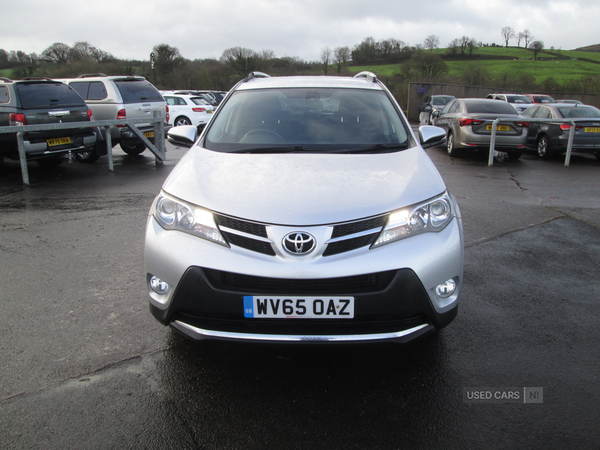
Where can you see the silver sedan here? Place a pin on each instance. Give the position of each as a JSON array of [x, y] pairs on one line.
[[468, 123]]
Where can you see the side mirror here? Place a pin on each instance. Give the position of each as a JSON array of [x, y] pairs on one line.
[[428, 108], [431, 136], [183, 136], [435, 114]]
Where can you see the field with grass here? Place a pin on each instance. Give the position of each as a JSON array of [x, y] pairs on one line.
[[565, 66], [6, 73]]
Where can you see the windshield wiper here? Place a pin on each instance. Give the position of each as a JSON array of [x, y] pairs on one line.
[[296, 148], [377, 148]]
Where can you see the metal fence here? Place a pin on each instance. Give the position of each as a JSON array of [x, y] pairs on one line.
[[571, 122], [158, 148]]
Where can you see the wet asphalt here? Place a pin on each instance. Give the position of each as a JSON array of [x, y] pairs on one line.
[[84, 365]]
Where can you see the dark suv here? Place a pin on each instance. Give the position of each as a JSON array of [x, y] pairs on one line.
[[37, 101]]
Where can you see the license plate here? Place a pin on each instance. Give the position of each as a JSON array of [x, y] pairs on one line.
[[264, 307], [592, 129], [499, 128], [58, 141], [149, 134]]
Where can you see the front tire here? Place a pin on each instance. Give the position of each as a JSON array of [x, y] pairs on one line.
[[133, 149]]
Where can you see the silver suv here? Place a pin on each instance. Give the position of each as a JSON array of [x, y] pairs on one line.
[[120, 97], [306, 211]]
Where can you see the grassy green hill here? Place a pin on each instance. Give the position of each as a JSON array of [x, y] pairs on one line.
[[562, 65]]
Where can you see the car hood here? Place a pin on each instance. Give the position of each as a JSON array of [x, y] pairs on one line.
[[304, 189]]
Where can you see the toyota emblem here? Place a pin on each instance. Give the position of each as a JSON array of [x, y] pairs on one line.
[[299, 243]]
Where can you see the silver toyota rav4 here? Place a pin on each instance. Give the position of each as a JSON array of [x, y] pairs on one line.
[[306, 211]]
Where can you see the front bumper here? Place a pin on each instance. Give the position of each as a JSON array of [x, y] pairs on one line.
[[393, 287]]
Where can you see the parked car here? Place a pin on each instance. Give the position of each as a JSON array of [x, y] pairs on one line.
[[573, 102], [206, 95], [468, 124], [540, 98], [433, 103], [121, 97], [552, 138], [289, 221], [38, 101], [518, 101], [188, 110]]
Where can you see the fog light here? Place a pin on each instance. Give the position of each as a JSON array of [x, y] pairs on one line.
[[446, 289], [159, 286]]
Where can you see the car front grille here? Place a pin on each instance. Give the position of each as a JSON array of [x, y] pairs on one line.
[[235, 282], [344, 237]]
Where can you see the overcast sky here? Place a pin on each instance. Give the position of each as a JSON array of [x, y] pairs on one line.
[[128, 29]]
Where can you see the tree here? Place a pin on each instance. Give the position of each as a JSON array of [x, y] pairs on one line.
[[341, 56], [537, 47], [241, 60], [325, 57], [507, 34], [425, 65], [57, 53], [166, 59], [431, 42], [528, 37], [520, 37]]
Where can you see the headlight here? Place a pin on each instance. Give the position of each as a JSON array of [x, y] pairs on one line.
[[426, 217], [174, 214]]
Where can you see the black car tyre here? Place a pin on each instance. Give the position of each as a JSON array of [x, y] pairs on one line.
[[182, 120], [133, 149], [452, 151], [89, 157], [51, 162], [514, 154], [542, 147]]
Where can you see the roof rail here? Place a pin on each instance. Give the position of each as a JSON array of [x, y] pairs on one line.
[[90, 75], [6, 80], [256, 75], [37, 79], [368, 75]]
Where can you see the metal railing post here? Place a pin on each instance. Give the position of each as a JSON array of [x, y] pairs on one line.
[[159, 140], [111, 166], [570, 144], [493, 142], [23, 158]]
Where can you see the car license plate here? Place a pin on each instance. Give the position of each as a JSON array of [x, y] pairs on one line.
[[58, 141], [592, 129], [499, 128], [269, 307], [149, 134]]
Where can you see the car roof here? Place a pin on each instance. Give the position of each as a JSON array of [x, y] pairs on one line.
[[308, 82]]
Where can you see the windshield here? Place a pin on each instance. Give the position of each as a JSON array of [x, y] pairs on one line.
[[441, 101], [518, 99], [48, 95], [303, 119], [578, 111], [199, 101], [490, 107]]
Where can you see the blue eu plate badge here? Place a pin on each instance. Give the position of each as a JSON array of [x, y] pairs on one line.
[[248, 306]]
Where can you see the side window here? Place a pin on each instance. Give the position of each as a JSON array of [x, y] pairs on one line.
[[97, 91], [4, 94], [455, 107], [447, 107], [81, 87], [170, 100], [501, 97], [181, 101]]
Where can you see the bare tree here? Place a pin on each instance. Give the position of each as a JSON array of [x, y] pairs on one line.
[[431, 42], [507, 34], [519, 38], [326, 57], [341, 55], [528, 37], [537, 47]]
